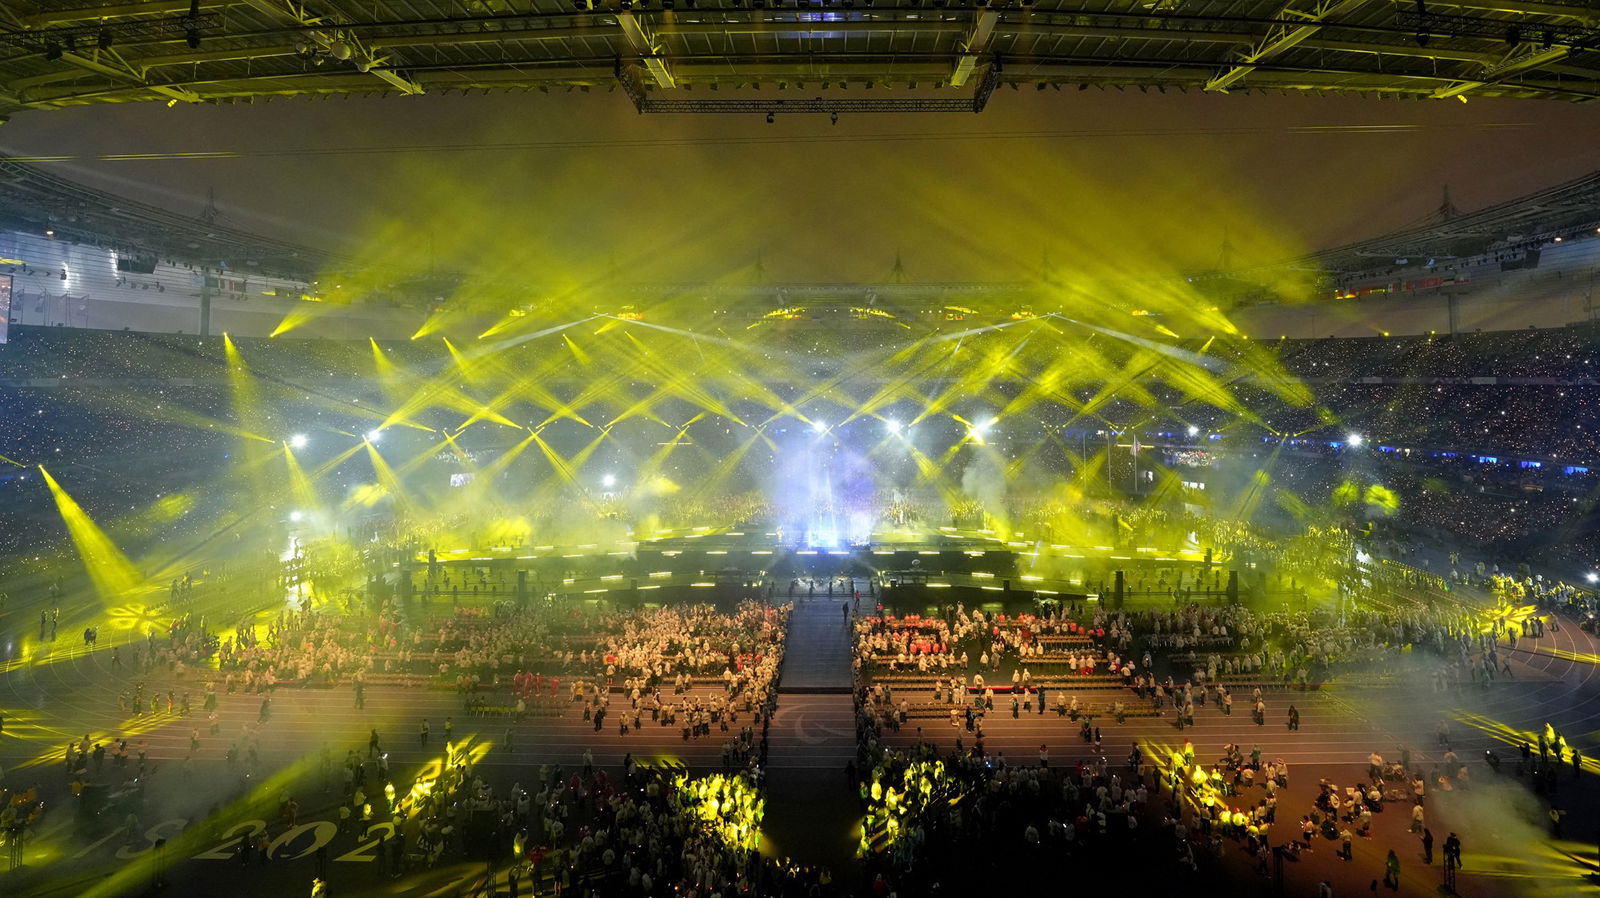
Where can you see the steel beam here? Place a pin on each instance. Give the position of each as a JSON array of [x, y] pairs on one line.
[[976, 43], [1580, 13], [1501, 72], [120, 71], [1298, 26], [656, 64], [762, 106], [45, 19], [326, 34]]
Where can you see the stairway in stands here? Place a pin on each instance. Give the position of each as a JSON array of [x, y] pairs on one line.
[[811, 807]]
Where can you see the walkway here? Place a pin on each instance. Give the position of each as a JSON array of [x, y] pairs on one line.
[[811, 806], [817, 656]]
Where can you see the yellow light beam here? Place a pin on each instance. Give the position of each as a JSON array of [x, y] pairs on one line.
[[113, 575]]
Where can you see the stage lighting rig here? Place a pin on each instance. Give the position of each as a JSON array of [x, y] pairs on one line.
[[190, 28]]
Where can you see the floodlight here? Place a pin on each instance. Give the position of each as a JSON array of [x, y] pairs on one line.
[[819, 426], [299, 441], [1592, 576], [1353, 440], [295, 516], [374, 435], [608, 481], [1193, 430], [892, 425]]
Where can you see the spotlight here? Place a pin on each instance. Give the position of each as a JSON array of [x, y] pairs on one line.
[[608, 481], [374, 435], [892, 425], [1194, 431], [819, 426], [1353, 440], [191, 25], [299, 441], [1591, 576], [295, 516]]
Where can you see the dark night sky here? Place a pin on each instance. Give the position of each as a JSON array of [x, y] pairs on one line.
[[695, 198]]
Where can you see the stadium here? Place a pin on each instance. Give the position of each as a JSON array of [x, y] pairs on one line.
[[776, 448]]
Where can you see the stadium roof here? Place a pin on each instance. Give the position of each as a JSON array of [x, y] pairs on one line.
[[1563, 210], [668, 55]]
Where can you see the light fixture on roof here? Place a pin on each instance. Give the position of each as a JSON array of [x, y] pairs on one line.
[[191, 25]]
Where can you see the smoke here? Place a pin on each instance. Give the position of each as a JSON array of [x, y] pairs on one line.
[[984, 481]]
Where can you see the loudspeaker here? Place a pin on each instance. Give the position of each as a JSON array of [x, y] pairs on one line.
[[1233, 587]]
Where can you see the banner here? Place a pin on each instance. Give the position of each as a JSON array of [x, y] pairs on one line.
[[5, 305]]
